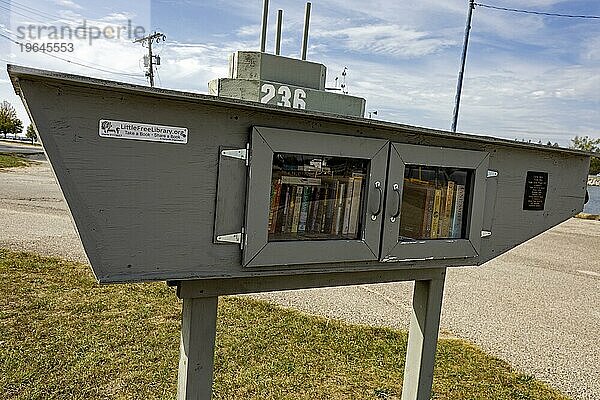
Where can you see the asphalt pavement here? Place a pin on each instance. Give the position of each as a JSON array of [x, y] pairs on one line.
[[7, 146], [537, 306]]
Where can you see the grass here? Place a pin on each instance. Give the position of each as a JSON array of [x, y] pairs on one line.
[[9, 160], [62, 336]]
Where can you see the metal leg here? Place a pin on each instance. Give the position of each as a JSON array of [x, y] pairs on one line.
[[197, 348], [422, 339]]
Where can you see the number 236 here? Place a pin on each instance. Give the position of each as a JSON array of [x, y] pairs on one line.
[[285, 94]]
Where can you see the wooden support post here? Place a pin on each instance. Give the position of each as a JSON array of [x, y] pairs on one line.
[[422, 339], [197, 348]]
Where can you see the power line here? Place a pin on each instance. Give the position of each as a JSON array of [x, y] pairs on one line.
[[72, 57], [135, 76], [32, 10], [547, 14], [29, 17]]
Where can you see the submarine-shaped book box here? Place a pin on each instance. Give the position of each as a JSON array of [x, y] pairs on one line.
[[169, 185]]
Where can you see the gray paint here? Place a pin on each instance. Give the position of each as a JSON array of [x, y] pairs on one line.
[[422, 339], [258, 251], [468, 249], [253, 65], [316, 100], [146, 211], [197, 348]]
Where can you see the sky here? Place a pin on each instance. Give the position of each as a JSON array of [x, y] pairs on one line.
[[528, 77]]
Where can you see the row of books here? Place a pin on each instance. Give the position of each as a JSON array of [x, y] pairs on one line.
[[319, 207], [432, 211]]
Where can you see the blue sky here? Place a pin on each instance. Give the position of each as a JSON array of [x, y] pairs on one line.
[[528, 76]]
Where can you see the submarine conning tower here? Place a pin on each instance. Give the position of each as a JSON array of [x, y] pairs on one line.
[[284, 81]]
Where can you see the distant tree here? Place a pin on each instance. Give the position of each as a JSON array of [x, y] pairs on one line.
[[585, 143], [9, 122], [31, 133]]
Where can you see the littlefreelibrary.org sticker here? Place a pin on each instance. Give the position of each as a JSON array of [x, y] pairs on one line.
[[139, 131]]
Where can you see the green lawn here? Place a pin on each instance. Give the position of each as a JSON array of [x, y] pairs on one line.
[[8, 160], [62, 336]]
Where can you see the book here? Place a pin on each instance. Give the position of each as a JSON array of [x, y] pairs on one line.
[[304, 209], [355, 205], [330, 207], [286, 207], [458, 212], [428, 214], [347, 206], [447, 214], [320, 214], [276, 194], [297, 205], [442, 210], [435, 219], [300, 180], [412, 212], [290, 210], [282, 209], [339, 209], [313, 208]]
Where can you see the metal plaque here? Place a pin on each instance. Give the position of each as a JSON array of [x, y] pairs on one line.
[[536, 187]]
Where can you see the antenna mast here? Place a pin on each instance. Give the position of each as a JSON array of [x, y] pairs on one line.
[[306, 27], [263, 32]]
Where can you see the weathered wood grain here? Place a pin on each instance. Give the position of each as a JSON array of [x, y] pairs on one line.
[[146, 211]]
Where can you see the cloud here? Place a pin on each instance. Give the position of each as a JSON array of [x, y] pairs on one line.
[[391, 40], [68, 4], [525, 77]]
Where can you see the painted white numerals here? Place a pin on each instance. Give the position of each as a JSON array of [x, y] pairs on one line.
[[299, 97], [285, 96], [269, 91]]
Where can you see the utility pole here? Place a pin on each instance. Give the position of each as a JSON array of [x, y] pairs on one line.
[[152, 59], [462, 65]]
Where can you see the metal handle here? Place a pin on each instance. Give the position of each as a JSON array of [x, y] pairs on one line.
[[376, 213], [396, 189]]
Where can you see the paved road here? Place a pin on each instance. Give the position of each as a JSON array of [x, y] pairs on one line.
[[7, 146], [537, 307]]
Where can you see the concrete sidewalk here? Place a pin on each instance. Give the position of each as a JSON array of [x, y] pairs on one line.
[[537, 307]]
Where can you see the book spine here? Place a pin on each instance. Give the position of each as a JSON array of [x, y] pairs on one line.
[[313, 210], [448, 209], [428, 214], [339, 213], [280, 209], [304, 210], [320, 210], [458, 211], [274, 205], [290, 213], [347, 206], [297, 205], [300, 180], [286, 207], [435, 220], [442, 212], [329, 208], [355, 206]]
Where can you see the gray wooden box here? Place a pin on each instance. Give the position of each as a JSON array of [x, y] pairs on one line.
[[149, 210]]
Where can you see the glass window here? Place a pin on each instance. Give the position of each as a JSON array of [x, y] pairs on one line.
[[434, 203], [316, 197]]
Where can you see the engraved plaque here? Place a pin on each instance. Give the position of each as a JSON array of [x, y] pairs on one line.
[[536, 186]]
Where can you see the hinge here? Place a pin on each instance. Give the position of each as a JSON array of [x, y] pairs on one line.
[[241, 154], [492, 173], [485, 234], [233, 238]]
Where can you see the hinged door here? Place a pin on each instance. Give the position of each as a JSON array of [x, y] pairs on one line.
[[434, 205], [313, 198]]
